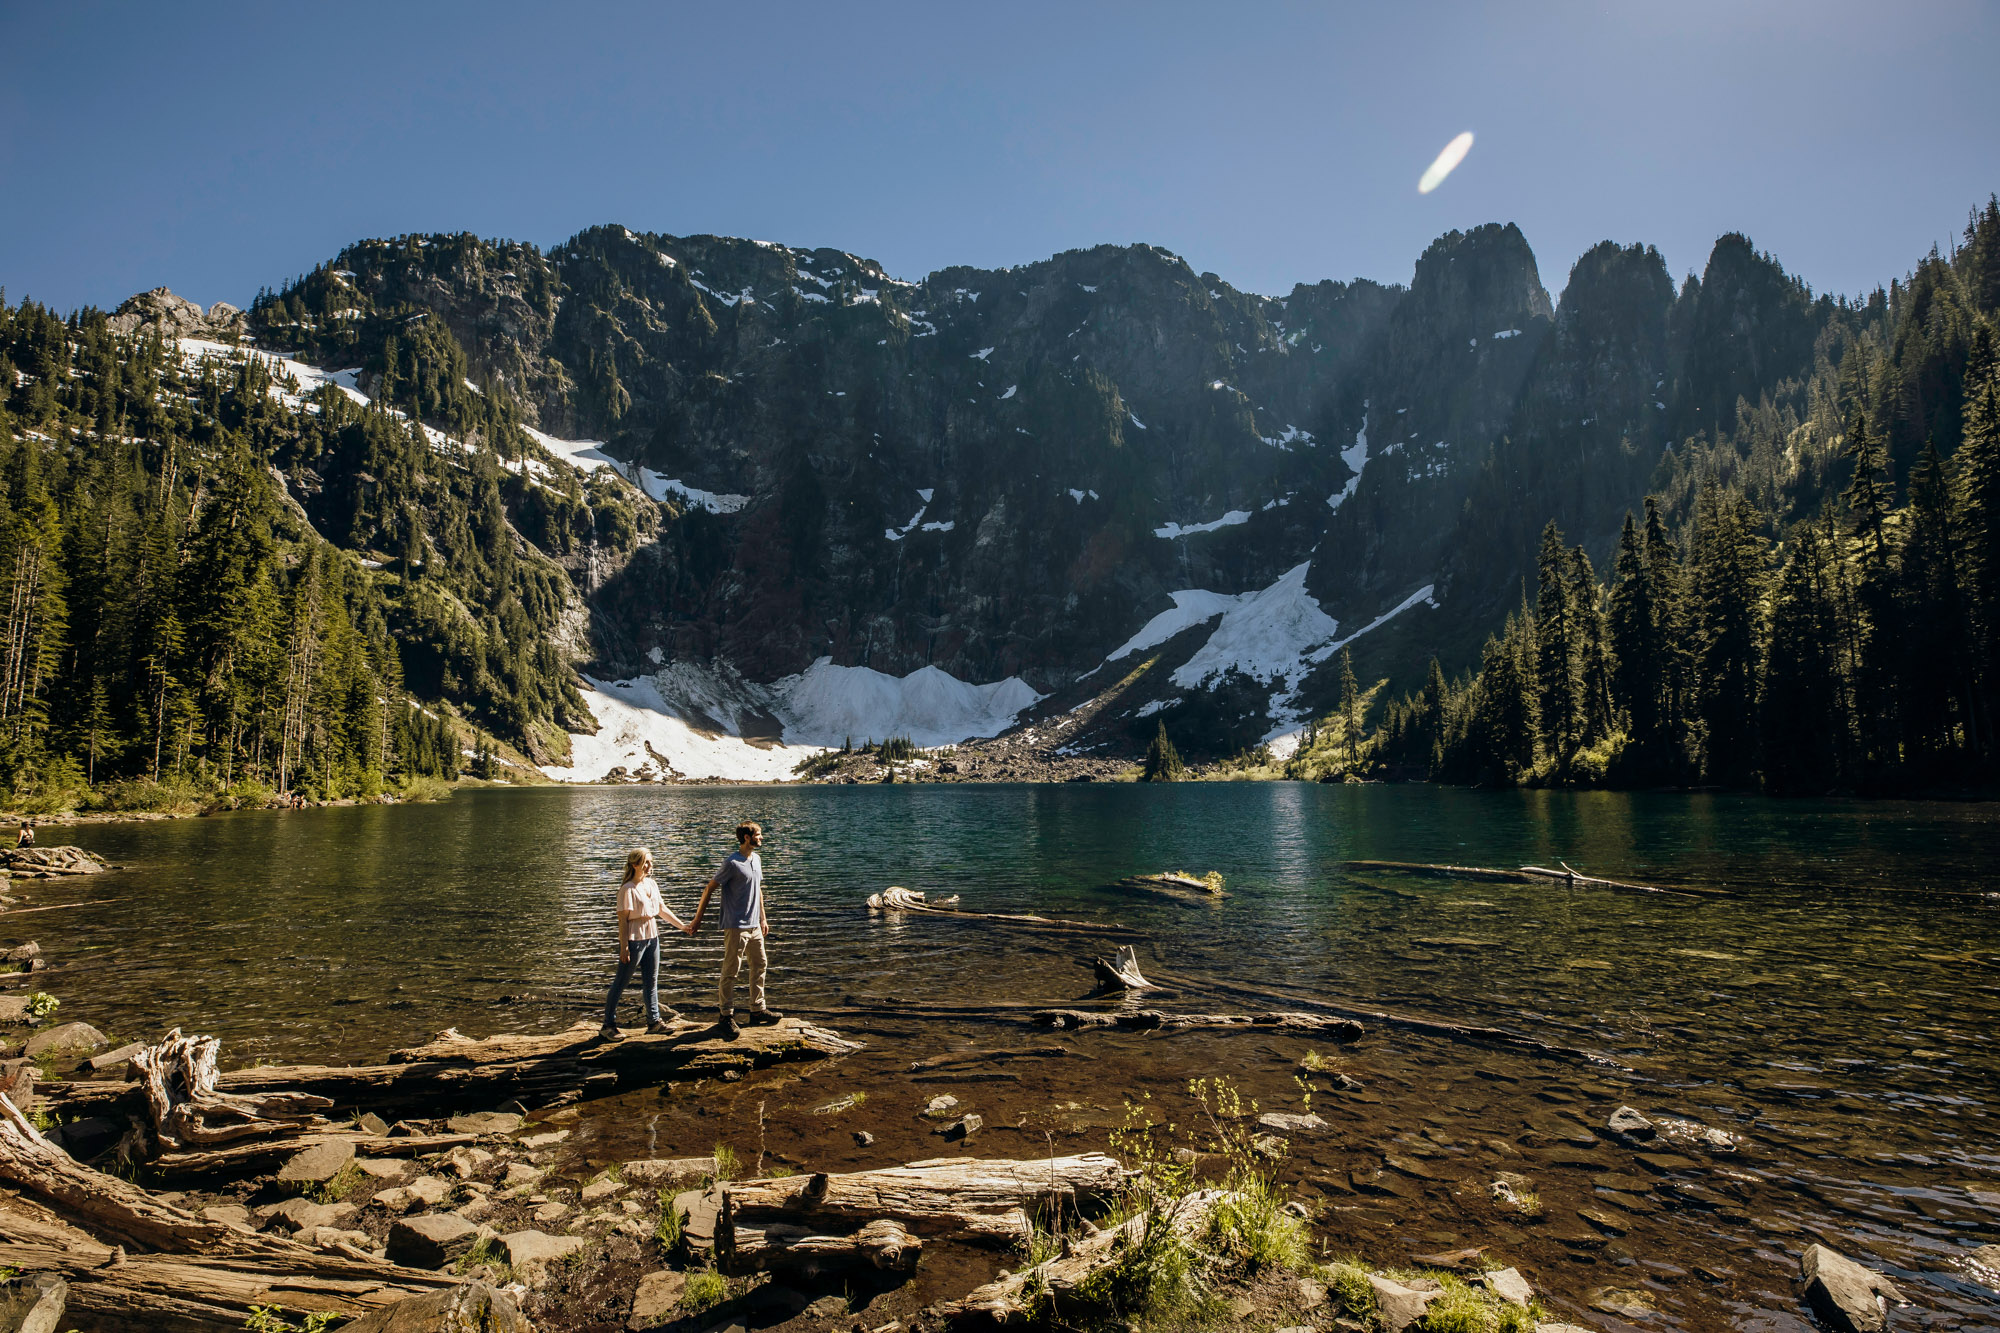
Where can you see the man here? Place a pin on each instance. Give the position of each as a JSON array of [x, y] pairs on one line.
[[745, 927]]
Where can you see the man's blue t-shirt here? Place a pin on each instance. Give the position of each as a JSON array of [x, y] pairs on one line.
[[740, 887]]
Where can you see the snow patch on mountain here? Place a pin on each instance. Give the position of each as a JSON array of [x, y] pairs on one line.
[[1191, 607], [713, 723], [1356, 458], [1268, 634], [660, 487], [1228, 520]]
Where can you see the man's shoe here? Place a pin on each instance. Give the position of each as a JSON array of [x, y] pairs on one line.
[[727, 1027], [607, 1033], [762, 1016]]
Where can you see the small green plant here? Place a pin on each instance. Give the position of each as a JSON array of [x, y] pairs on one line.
[[704, 1290], [42, 1007], [337, 1187], [782, 1172], [1347, 1282], [1314, 1063], [1529, 1202], [726, 1165], [8, 1274], [277, 1319], [485, 1250], [668, 1232]]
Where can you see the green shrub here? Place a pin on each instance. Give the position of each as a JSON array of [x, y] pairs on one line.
[[726, 1164], [246, 794], [1347, 1282], [417, 787], [704, 1290], [668, 1232], [42, 1007]]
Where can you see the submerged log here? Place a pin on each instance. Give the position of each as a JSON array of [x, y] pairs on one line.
[[1531, 875], [1179, 887], [1120, 972], [184, 1272], [1059, 1286], [952, 1198], [455, 1071], [897, 898], [1149, 1020]]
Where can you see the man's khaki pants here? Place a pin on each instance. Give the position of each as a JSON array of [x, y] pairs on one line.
[[738, 945]]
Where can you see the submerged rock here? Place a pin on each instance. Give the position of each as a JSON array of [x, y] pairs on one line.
[[1849, 1297], [1630, 1124]]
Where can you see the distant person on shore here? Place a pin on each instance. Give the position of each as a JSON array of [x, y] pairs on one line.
[[745, 927], [639, 913], [26, 837]]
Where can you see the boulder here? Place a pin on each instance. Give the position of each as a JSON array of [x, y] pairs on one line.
[[601, 1189], [962, 1128], [531, 1252], [472, 1308], [13, 1009], [521, 1176], [552, 1212], [429, 1190], [658, 1297], [22, 953], [383, 1168], [304, 1214], [465, 1163], [1509, 1285], [17, 1080], [484, 1122], [1628, 1123], [431, 1240], [940, 1107], [1285, 1123], [374, 1124], [1848, 1297], [67, 1037], [1402, 1305], [32, 1302], [317, 1164]]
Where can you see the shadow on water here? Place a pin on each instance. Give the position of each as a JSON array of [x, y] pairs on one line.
[[1836, 1014]]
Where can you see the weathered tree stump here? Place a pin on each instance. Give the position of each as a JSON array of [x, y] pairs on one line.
[[1120, 972], [178, 1076]]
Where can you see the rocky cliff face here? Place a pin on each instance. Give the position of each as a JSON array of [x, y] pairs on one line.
[[1012, 473]]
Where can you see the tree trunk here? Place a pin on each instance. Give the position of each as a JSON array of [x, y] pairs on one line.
[[951, 1198]]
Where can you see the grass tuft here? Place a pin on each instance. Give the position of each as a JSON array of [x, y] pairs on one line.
[[704, 1290]]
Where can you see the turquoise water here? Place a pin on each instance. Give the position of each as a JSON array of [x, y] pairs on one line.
[[1836, 1013]]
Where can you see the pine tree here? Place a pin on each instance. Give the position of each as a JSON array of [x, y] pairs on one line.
[[1594, 648], [1350, 712], [1934, 673], [1163, 761], [1727, 594], [1558, 653], [1978, 526], [1803, 719]]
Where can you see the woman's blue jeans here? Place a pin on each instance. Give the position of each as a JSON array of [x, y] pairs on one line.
[[644, 955]]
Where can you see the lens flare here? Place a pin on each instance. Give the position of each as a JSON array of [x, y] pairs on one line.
[[1453, 154]]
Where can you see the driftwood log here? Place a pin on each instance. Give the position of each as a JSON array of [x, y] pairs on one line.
[[783, 1247], [1148, 1020], [455, 1071], [985, 1201], [178, 1075], [36, 862], [1058, 1285], [1533, 875], [899, 899], [134, 1262], [1120, 972], [1180, 888]]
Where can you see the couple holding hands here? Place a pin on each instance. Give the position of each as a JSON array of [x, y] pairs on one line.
[[740, 886]]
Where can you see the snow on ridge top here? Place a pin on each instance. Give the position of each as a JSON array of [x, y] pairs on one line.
[[195, 350], [1228, 520]]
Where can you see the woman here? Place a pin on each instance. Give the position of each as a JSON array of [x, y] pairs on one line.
[[639, 911], [26, 836]]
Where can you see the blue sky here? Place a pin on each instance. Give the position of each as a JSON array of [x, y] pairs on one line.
[[215, 148]]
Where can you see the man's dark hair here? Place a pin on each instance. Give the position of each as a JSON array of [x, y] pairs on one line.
[[747, 829]]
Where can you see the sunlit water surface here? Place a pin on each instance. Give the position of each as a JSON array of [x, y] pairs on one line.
[[1837, 1012]]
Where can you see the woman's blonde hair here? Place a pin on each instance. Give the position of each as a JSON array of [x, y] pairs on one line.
[[635, 858]]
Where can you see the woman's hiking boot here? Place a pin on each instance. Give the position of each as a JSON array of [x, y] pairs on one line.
[[607, 1033], [660, 1026]]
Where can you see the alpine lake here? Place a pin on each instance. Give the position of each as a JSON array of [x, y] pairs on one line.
[[1831, 1017]]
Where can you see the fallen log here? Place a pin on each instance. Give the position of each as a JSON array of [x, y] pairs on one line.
[[183, 1272], [897, 898], [967, 1058], [178, 1075], [456, 1071], [1061, 1286], [1179, 887], [983, 1200], [258, 1154], [1531, 875], [1148, 1020], [1120, 972], [800, 1252]]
